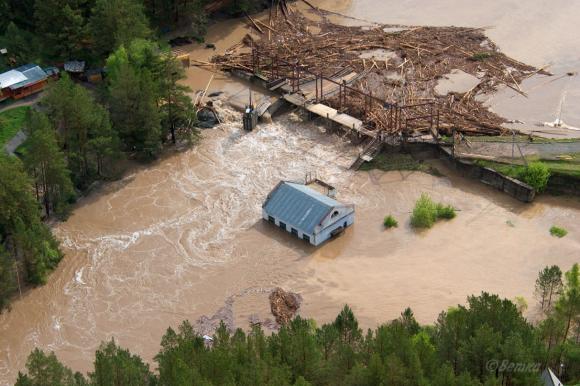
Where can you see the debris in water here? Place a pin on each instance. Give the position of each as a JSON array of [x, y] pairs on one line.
[[207, 116], [420, 56], [559, 124], [284, 305]]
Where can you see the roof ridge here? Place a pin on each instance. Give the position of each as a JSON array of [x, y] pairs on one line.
[[324, 199]]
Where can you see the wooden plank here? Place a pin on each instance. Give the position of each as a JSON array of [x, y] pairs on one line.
[[254, 23]]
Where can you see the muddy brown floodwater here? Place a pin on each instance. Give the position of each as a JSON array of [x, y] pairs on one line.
[[182, 237]]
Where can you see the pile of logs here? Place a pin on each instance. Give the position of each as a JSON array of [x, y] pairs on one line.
[[403, 66], [284, 305]]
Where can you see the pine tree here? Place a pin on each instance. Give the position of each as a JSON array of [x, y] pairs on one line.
[[47, 166], [20, 227], [83, 130], [104, 145], [347, 326], [568, 305], [61, 24], [21, 45], [178, 113], [114, 23], [8, 279], [4, 10], [548, 285], [176, 13], [19, 13], [45, 369], [117, 366], [134, 110]]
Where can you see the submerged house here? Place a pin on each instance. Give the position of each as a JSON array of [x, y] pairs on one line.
[[23, 81], [306, 213]]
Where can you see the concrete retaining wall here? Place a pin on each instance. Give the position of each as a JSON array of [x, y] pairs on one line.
[[562, 184], [513, 187], [508, 185]]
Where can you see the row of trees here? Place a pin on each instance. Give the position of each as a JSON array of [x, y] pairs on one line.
[[79, 135], [27, 247], [560, 303], [48, 31], [74, 140], [51, 31], [487, 342]]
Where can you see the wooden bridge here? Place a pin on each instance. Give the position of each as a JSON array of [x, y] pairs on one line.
[[311, 91]]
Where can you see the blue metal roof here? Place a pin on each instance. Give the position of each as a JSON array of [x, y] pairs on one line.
[[299, 206]]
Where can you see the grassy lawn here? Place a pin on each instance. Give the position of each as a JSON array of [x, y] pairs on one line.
[[569, 166], [10, 122]]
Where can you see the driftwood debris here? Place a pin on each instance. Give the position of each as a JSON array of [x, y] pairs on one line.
[[415, 60], [260, 30], [284, 305]]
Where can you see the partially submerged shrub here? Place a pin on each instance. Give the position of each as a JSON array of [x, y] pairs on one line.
[[446, 212], [390, 222], [536, 174], [426, 212], [558, 232]]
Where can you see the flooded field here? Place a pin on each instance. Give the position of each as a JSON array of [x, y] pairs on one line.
[[182, 238]]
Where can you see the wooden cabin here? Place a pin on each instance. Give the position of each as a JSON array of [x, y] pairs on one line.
[[22, 81]]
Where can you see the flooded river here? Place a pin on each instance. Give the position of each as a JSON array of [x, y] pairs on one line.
[[182, 238]]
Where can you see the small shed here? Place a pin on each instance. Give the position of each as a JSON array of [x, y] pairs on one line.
[[75, 67], [94, 75], [306, 213], [52, 72]]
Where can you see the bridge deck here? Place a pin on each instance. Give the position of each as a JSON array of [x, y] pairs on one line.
[[328, 112]]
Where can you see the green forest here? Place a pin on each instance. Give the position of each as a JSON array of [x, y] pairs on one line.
[[78, 134], [485, 342], [55, 31]]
